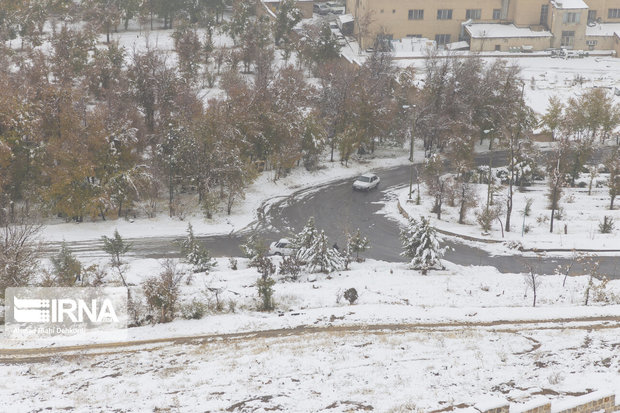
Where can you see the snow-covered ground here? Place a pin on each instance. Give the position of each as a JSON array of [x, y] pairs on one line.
[[581, 215], [381, 370], [388, 293], [410, 342]]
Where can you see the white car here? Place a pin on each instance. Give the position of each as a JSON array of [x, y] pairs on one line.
[[282, 247], [366, 182]]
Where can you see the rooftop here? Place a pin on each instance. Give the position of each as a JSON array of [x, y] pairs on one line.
[[496, 30], [569, 4]]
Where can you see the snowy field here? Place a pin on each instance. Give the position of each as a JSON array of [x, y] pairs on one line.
[[410, 343], [336, 371], [388, 293]]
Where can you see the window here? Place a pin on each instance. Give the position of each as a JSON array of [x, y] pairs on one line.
[[544, 14], [498, 48], [442, 39], [591, 15], [571, 17], [473, 14], [614, 14], [417, 36], [568, 39], [444, 14], [497, 14], [416, 14]]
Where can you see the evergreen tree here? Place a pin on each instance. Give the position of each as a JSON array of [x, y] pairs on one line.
[[67, 268], [357, 243], [265, 283], [320, 256], [116, 247], [420, 243], [254, 246], [195, 254], [305, 239]]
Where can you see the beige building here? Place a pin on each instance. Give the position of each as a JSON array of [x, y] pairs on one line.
[[487, 25]]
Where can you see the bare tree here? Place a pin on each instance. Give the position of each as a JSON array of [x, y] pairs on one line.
[[532, 279], [19, 255]]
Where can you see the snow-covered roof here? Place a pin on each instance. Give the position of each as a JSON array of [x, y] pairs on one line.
[[569, 4], [457, 45], [603, 29], [345, 18], [496, 30]]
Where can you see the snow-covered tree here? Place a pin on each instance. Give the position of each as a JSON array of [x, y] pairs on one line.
[[254, 246], [67, 270], [320, 256], [195, 254], [305, 239], [420, 243], [117, 247], [357, 243]]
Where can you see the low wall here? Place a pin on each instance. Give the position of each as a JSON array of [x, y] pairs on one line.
[[598, 401]]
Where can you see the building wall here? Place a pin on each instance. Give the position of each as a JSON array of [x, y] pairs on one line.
[[527, 12], [602, 9], [391, 17], [557, 26], [505, 45]]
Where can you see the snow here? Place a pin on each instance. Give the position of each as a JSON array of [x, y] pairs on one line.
[[490, 402], [569, 4], [582, 215], [570, 403], [603, 29], [496, 30]]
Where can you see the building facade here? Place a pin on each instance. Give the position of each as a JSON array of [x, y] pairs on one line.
[[487, 25]]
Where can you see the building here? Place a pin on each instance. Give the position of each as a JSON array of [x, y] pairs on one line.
[[488, 25]]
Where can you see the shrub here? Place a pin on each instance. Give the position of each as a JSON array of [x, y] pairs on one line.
[[232, 262], [162, 291], [291, 267], [351, 295], [607, 225], [195, 254], [193, 310]]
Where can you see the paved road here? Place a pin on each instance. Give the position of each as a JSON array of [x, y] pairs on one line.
[[337, 208]]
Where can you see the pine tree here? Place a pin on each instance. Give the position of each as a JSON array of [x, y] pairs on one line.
[[305, 239], [195, 254], [67, 268], [320, 256], [357, 243], [420, 243], [254, 246], [116, 247]]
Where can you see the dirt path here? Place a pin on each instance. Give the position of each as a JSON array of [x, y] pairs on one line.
[[38, 355]]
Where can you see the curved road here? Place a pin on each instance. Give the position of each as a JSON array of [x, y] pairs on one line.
[[337, 208]]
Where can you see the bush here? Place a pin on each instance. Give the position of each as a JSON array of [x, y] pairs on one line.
[[351, 295], [162, 291], [485, 218], [607, 225], [291, 267], [232, 262], [194, 310], [195, 254]]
